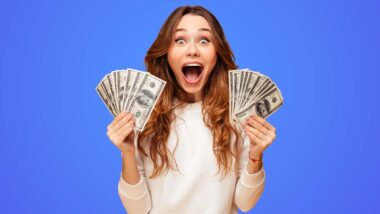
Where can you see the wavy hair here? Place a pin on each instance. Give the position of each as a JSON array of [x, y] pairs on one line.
[[215, 107]]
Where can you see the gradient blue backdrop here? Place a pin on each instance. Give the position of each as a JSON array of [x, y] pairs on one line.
[[324, 55]]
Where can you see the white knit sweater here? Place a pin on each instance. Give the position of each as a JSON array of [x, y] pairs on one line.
[[195, 188]]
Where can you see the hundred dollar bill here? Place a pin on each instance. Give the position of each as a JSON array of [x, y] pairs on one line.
[[125, 88], [241, 83], [230, 94], [112, 90], [250, 83], [236, 86], [116, 84], [100, 89], [107, 89], [264, 92], [243, 80], [128, 90], [253, 92], [263, 107], [138, 78], [146, 97]]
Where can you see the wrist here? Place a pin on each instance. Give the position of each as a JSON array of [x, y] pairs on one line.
[[255, 157], [127, 153], [255, 152]]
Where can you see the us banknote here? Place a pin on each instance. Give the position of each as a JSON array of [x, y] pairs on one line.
[[252, 93], [132, 91]]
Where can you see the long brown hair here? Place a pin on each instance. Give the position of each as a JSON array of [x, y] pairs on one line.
[[215, 106]]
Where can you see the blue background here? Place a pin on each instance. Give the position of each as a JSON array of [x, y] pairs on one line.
[[324, 56]]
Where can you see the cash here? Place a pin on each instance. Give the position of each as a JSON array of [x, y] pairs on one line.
[[132, 91], [252, 93]]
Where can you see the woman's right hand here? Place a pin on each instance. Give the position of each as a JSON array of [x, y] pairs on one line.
[[120, 132]]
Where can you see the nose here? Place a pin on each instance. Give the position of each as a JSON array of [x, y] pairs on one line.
[[192, 49]]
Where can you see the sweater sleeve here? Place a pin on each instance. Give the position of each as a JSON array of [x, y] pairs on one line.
[[135, 198], [249, 187]]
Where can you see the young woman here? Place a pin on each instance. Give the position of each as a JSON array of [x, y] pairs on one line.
[[190, 158]]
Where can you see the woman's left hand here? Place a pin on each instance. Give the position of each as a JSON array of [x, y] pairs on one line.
[[261, 135]]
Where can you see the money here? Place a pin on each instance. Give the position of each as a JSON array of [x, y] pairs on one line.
[[145, 99], [132, 91], [252, 93]]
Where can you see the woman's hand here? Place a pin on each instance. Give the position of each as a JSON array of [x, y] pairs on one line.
[[261, 135], [120, 132]]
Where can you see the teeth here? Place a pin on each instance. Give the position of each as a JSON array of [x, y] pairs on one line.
[[193, 64]]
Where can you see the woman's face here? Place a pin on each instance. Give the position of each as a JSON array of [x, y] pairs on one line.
[[192, 55]]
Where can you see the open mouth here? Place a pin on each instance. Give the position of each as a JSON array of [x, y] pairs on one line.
[[192, 72]]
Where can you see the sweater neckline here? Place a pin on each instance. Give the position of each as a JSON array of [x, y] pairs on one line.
[[194, 106]]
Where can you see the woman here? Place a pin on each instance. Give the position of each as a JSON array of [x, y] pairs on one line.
[[190, 158]]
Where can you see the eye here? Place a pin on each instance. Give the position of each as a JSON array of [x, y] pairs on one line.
[[204, 41], [180, 41]]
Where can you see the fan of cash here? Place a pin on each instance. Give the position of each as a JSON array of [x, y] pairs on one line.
[[252, 93], [137, 92], [132, 91]]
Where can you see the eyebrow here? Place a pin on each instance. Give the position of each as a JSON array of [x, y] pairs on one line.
[[200, 29]]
